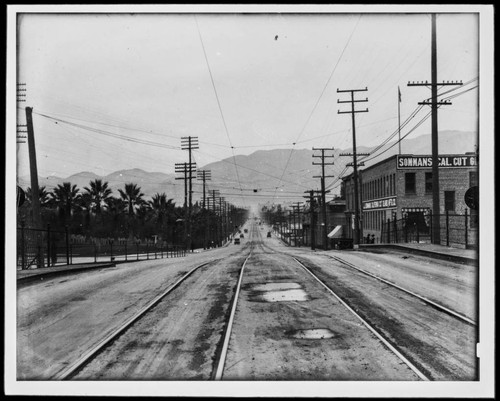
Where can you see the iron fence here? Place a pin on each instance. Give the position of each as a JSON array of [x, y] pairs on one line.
[[458, 230], [48, 248]]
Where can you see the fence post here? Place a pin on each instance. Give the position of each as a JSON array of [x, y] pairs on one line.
[[48, 245], [388, 231], [137, 246], [23, 256], [66, 232], [95, 253], [418, 235], [111, 249], [126, 250], [447, 229], [406, 229], [466, 231], [147, 249]]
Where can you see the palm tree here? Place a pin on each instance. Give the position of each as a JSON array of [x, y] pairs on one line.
[[65, 197], [133, 197], [161, 208], [43, 196], [115, 208], [99, 193]]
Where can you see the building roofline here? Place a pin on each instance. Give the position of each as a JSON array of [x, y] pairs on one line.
[[405, 154]]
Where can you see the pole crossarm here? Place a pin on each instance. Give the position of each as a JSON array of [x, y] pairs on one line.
[[355, 163], [434, 103]]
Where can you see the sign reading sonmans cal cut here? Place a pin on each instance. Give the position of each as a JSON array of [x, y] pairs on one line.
[[411, 162], [385, 203]]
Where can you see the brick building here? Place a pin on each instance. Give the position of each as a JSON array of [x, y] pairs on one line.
[[400, 187]]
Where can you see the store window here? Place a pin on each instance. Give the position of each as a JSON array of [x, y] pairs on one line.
[[428, 183], [410, 183], [449, 201]]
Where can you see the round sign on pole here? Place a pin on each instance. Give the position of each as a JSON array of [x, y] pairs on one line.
[[21, 196], [471, 197]]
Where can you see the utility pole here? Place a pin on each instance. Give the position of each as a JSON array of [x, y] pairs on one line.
[[190, 143], [212, 195], [313, 217], [296, 212], [323, 191], [187, 169], [35, 195], [360, 200], [399, 119], [355, 161], [205, 175], [434, 103]]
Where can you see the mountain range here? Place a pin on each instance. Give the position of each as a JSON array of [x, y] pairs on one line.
[[279, 175]]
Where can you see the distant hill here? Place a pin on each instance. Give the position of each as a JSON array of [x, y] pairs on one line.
[[262, 175]]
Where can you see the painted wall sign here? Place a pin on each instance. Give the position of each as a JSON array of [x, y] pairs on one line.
[[412, 162], [386, 203]]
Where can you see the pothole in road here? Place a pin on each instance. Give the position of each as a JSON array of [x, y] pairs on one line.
[[279, 292], [311, 334], [275, 286]]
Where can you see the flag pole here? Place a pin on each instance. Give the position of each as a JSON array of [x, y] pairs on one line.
[[399, 119]]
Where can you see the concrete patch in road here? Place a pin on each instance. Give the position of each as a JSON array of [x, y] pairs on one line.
[[311, 334], [278, 292]]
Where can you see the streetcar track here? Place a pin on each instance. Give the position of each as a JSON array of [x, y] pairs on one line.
[[266, 250], [420, 297], [90, 354], [426, 301], [394, 350]]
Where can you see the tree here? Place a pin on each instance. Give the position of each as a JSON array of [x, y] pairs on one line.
[[133, 197], [43, 196], [162, 210], [99, 193], [65, 197]]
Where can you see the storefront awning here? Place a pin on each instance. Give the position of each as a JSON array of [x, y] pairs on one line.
[[336, 232]]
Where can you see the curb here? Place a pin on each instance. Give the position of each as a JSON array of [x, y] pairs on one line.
[[432, 254], [49, 274]]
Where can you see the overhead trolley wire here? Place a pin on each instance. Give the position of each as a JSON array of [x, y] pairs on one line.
[[218, 103], [320, 96]]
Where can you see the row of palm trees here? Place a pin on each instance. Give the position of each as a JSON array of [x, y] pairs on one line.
[[95, 211]]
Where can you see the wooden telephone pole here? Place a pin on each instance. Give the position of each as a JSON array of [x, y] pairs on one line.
[[35, 196], [355, 161], [205, 175], [323, 191], [434, 103]]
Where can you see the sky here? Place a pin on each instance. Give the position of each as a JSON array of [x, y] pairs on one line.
[[113, 91]]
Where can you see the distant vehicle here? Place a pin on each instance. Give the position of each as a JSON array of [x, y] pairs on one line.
[[269, 234], [242, 236], [236, 241]]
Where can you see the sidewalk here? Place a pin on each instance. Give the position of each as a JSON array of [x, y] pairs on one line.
[[30, 275], [468, 256]]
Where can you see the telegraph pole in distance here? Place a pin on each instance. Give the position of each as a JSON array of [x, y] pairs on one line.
[[360, 196], [190, 143], [295, 211], [212, 195], [355, 162], [313, 217], [187, 169], [205, 175], [323, 192], [434, 103]]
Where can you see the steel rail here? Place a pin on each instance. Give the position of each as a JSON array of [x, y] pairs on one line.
[[225, 346], [426, 300], [367, 325], [70, 370]]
